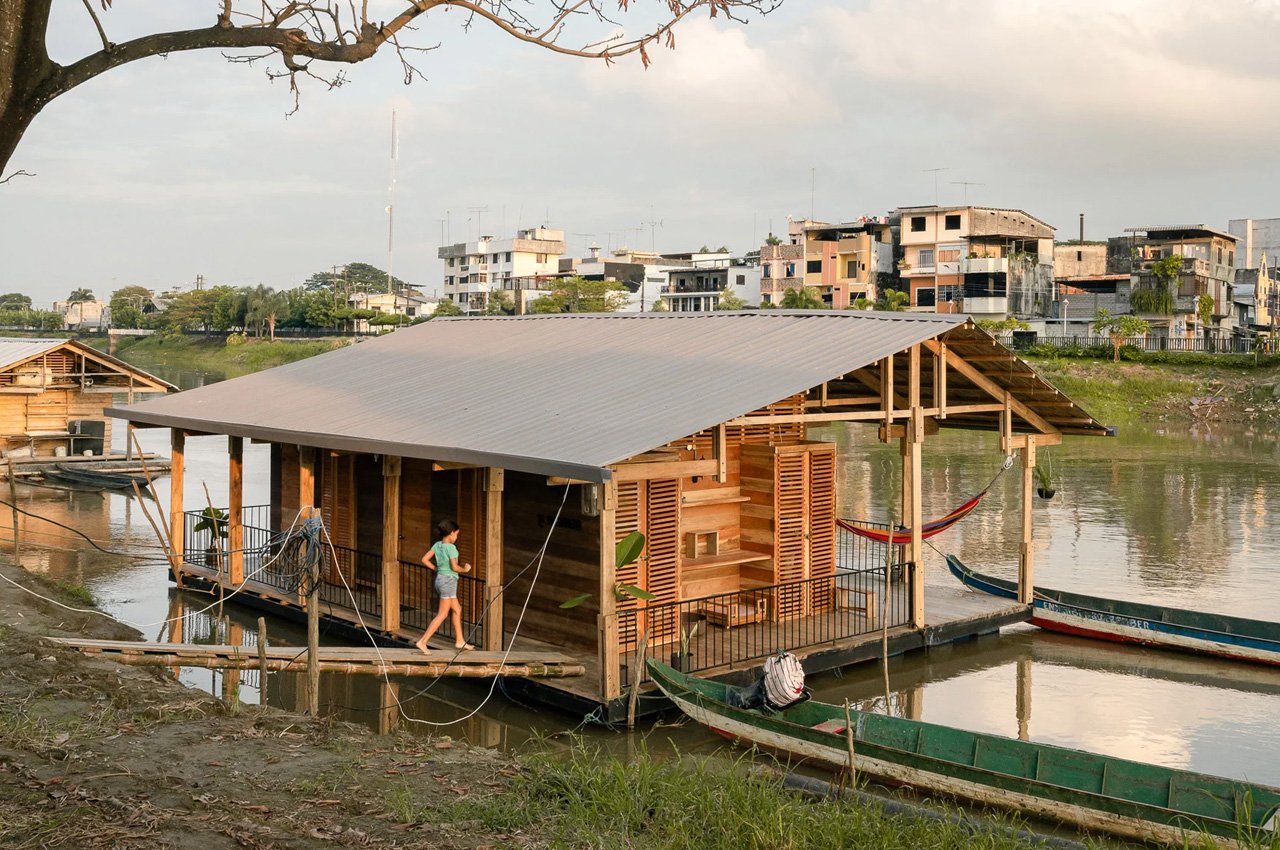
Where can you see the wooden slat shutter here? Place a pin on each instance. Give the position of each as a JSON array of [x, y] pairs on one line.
[[472, 517], [790, 554], [822, 523], [337, 506], [630, 517], [662, 554]]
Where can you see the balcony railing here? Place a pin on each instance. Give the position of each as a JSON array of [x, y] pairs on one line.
[[351, 580]]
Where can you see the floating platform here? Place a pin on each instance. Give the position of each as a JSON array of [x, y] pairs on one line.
[[30, 467], [334, 659]]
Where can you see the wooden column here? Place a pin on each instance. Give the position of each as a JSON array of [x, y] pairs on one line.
[[610, 657], [235, 510], [306, 493], [914, 509], [940, 380], [493, 558], [1026, 557], [177, 524], [1022, 697], [390, 543]]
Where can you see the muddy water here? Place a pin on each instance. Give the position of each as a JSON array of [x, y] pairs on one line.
[[1175, 516]]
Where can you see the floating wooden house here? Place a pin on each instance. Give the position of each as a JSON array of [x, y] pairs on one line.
[[53, 393], [563, 434]]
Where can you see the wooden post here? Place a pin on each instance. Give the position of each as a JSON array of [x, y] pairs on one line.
[[940, 380], [235, 511], [610, 657], [177, 521], [1026, 557], [391, 543], [389, 696], [306, 493], [262, 661], [494, 481], [231, 675], [1022, 706], [313, 623], [912, 496], [886, 393], [13, 507], [719, 448]]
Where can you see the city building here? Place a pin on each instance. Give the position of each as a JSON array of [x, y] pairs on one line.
[[83, 314], [1079, 259], [984, 261], [474, 269], [411, 304], [1257, 296], [1177, 303], [1256, 238], [697, 287], [782, 263], [643, 274], [848, 261]]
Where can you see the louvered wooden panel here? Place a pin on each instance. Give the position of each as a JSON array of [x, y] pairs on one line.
[[662, 547], [771, 434], [789, 530], [822, 524], [337, 506], [629, 517], [472, 519], [47, 411]]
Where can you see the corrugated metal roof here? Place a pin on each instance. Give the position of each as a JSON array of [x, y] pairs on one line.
[[560, 395], [16, 349]]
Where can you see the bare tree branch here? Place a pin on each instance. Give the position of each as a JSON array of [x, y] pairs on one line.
[[19, 173], [102, 34]]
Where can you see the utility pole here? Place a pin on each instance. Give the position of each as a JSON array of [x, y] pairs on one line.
[[391, 212]]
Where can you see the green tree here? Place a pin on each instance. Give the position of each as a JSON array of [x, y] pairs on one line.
[[1160, 299], [447, 307], [311, 39], [996, 327], [659, 306], [1204, 309], [79, 295], [191, 310], [578, 295], [127, 305], [1119, 328], [729, 301], [892, 300], [772, 240], [862, 302], [264, 308], [229, 307], [804, 298], [46, 320], [499, 304], [15, 301]]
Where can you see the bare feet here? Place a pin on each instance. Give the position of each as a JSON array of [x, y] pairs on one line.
[[463, 647], [422, 647]]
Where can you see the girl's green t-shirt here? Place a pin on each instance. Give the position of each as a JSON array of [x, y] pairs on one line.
[[445, 553]]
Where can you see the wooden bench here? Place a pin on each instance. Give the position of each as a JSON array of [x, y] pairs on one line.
[[854, 599], [741, 610]]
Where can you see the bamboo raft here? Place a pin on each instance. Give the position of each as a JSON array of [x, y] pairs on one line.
[[332, 659]]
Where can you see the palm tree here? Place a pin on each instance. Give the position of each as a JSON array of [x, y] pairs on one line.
[[265, 306]]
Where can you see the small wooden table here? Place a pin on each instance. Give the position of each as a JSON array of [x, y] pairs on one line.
[[727, 613]]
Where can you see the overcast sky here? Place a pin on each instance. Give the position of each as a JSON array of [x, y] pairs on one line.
[[1133, 113]]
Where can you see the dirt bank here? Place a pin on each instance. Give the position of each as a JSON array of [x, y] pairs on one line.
[[98, 755]]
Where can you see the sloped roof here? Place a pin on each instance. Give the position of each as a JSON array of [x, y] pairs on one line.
[[15, 350], [557, 395]]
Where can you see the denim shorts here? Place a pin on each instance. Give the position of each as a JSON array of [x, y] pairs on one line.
[[446, 586]]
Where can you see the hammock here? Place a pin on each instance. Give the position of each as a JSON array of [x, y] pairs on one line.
[[902, 536]]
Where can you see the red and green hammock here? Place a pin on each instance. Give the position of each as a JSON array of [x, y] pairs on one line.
[[902, 536]]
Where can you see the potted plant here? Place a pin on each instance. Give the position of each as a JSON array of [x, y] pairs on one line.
[[213, 521], [1044, 480], [682, 659]]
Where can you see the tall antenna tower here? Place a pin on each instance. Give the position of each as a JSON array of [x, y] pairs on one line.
[[651, 224], [391, 209]]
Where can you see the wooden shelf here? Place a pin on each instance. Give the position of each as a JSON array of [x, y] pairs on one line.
[[724, 559], [716, 496]]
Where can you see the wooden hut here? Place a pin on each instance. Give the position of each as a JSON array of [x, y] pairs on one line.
[[563, 434], [53, 393]]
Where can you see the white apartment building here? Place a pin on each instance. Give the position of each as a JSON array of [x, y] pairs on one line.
[[1256, 237], [697, 287], [472, 270]]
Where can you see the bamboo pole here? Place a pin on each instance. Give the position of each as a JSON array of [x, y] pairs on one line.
[[13, 505], [262, 660], [848, 742], [1026, 554], [313, 622], [636, 676]]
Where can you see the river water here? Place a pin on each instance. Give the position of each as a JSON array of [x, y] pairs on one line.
[[1165, 514]]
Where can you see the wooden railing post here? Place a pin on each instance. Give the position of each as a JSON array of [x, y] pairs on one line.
[[493, 568], [235, 510], [913, 512], [1026, 555], [610, 656], [177, 520], [390, 544]]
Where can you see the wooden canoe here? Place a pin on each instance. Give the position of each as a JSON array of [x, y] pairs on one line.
[[1136, 622], [1086, 790], [68, 474]]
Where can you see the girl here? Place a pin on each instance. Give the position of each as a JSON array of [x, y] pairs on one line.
[[444, 554]]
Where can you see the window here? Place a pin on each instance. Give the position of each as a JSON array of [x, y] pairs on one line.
[[813, 267], [917, 224], [742, 280], [948, 293], [410, 311], [948, 255], [768, 270], [1219, 256], [851, 268], [925, 258], [542, 258], [1231, 258], [953, 222], [451, 262], [791, 269], [1079, 259], [508, 256], [925, 297], [495, 258]]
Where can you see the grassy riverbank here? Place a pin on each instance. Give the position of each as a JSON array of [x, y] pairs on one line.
[[214, 354], [98, 755]]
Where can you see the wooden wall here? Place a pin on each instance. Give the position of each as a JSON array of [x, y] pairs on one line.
[[415, 509], [571, 566], [50, 410]]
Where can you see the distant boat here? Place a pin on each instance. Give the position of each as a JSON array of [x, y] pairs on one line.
[[1135, 622], [68, 474], [1086, 790]]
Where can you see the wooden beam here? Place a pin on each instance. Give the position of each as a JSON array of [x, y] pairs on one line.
[[446, 465], [557, 481], [1019, 441], [940, 380], [842, 401], [720, 450], [494, 481], [177, 479], [915, 519], [669, 469], [886, 389], [610, 655], [391, 468], [994, 390], [1026, 554], [235, 510]]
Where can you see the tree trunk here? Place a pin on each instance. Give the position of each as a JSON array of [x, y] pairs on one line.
[[24, 67]]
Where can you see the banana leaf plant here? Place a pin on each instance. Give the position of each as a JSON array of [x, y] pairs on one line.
[[624, 554]]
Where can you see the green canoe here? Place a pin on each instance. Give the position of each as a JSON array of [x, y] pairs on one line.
[[1089, 791]]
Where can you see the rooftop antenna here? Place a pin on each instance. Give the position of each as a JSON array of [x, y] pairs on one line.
[[935, 182], [585, 238], [813, 180], [651, 224], [478, 211], [391, 208], [966, 184]]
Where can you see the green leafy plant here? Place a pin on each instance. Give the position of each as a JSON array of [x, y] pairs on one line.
[[1159, 301], [1044, 474], [730, 301], [1204, 308], [893, 300], [213, 520], [1119, 328], [804, 298], [686, 637], [625, 553]]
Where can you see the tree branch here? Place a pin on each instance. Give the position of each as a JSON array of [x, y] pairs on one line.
[[102, 34], [19, 173]]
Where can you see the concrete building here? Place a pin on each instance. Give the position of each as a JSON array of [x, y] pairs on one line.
[[1257, 297], [848, 261], [1207, 270], [782, 264], [473, 269], [411, 304], [643, 273], [1256, 237], [697, 288], [1079, 259], [83, 314], [985, 261]]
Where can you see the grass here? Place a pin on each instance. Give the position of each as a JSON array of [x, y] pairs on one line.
[[213, 354], [589, 799], [75, 593]]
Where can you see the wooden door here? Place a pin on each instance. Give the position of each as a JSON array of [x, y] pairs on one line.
[[821, 497], [338, 509], [473, 519], [790, 547]]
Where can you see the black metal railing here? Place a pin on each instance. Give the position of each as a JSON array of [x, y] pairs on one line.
[[729, 629], [419, 603], [352, 579], [1199, 344], [855, 552]]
